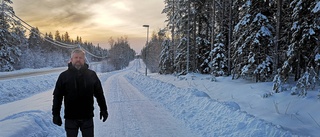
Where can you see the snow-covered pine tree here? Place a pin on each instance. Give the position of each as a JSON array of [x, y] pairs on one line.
[[305, 37], [176, 12], [311, 35], [9, 50], [306, 82], [254, 42], [182, 29], [190, 22], [226, 14], [154, 50], [170, 10], [201, 26], [218, 59], [239, 34], [38, 55], [203, 55], [180, 59], [165, 64], [277, 83]]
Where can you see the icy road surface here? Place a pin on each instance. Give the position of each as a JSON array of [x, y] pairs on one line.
[[133, 114], [138, 105], [130, 112]]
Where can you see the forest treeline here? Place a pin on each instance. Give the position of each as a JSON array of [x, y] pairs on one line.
[[259, 40], [22, 46]]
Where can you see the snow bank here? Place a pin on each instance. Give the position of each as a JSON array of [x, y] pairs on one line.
[[25, 87], [30, 124], [205, 116], [28, 86]]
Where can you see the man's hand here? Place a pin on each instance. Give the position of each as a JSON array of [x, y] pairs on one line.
[[57, 120], [104, 114]]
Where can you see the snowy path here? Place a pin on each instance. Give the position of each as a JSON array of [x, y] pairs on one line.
[[138, 106], [132, 114]]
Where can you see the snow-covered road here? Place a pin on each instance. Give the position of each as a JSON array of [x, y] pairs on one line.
[[133, 114], [138, 105], [130, 113]]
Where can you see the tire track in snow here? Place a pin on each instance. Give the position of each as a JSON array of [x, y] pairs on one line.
[[133, 114]]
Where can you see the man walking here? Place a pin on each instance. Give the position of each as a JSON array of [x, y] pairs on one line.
[[77, 87]]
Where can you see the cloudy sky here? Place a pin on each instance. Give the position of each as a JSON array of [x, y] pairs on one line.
[[94, 20]]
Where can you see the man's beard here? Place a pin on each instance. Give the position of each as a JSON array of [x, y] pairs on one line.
[[77, 65]]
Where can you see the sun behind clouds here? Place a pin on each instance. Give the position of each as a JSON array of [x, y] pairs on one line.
[[95, 20]]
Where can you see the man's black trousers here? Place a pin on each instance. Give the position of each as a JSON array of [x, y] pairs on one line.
[[85, 125]]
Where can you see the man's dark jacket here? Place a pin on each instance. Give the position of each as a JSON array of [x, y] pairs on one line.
[[78, 88]]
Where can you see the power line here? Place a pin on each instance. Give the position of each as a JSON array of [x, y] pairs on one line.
[[45, 38], [50, 40], [71, 46]]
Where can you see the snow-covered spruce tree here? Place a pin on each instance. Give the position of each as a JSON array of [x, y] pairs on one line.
[[202, 27], [19, 40], [170, 10], [254, 42], [305, 32], [176, 12], [204, 55], [310, 33], [180, 59], [277, 86], [218, 59], [283, 31], [239, 32], [9, 50], [154, 50], [182, 41], [226, 14], [37, 54], [306, 82], [166, 64], [19, 33]]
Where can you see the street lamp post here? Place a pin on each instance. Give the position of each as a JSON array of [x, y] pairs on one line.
[[145, 54]]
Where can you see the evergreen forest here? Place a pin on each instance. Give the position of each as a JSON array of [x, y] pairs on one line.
[[257, 40]]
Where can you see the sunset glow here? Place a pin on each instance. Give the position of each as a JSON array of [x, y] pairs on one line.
[[96, 22]]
